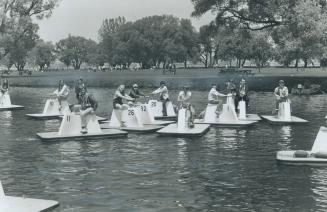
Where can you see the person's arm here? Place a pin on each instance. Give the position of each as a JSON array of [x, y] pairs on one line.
[[286, 92], [93, 102], [188, 96], [276, 92], [128, 98], [159, 90], [179, 98], [219, 94]]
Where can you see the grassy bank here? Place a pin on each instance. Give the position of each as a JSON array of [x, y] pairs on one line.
[[199, 79]]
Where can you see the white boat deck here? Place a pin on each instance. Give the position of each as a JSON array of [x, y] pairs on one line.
[[172, 130], [11, 107], [294, 119], [236, 123], [106, 133], [135, 129]]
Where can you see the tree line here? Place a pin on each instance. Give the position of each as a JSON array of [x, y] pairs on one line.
[[247, 30]]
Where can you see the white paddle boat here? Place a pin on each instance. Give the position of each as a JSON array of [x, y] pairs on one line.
[[70, 128], [227, 117], [5, 103], [132, 119], [242, 115], [156, 107], [284, 115], [20, 204], [182, 128], [317, 155], [52, 110]]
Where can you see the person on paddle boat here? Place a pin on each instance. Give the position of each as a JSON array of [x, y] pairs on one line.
[[231, 87], [118, 104], [4, 86], [281, 94], [78, 87], [87, 108], [61, 93], [135, 93], [184, 97], [213, 98], [242, 94], [163, 96]]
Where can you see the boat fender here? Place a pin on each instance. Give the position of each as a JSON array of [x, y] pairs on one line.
[[301, 154], [320, 155]]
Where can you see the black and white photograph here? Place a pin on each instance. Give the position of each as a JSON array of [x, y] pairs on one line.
[[163, 105]]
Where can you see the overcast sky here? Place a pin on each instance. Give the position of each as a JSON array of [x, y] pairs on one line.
[[84, 17]]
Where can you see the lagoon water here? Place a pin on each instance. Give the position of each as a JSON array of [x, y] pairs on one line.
[[225, 170]]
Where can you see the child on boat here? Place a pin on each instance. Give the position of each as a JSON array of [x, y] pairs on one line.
[[242, 93], [136, 93], [184, 98], [163, 96], [87, 108], [281, 94], [61, 93], [118, 104]]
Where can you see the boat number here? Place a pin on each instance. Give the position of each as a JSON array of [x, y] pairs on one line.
[[131, 112], [153, 104], [143, 108], [68, 118]]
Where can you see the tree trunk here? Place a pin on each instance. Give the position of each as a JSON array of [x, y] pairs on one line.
[[305, 63], [185, 64]]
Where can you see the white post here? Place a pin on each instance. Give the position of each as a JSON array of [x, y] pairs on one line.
[[2, 192], [181, 124], [242, 108]]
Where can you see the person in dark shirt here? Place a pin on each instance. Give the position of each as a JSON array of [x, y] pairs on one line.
[[135, 93], [88, 106], [78, 88]]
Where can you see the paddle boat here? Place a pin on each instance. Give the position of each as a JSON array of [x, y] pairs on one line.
[[284, 115], [316, 156], [5, 103], [182, 127], [52, 110], [133, 121], [19, 204], [156, 107], [70, 128], [242, 115], [227, 117], [147, 116]]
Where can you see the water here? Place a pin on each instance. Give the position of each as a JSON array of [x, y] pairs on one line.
[[225, 170]]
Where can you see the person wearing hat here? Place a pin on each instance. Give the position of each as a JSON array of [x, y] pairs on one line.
[[242, 93], [163, 96], [136, 93], [87, 108], [184, 97], [118, 103], [281, 94]]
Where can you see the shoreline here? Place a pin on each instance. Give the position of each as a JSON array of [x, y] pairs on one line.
[[197, 79]]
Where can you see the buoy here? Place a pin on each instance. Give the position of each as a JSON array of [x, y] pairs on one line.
[[52, 110], [19, 204], [70, 128], [182, 128], [316, 156], [284, 115], [5, 103], [243, 115], [132, 119], [156, 108], [227, 116]]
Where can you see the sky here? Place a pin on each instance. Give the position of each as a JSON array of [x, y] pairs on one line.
[[84, 17]]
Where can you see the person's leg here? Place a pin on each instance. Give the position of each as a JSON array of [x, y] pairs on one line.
[[236, 101], [84, 119], [191, 118], [164, 107], [247, 100]]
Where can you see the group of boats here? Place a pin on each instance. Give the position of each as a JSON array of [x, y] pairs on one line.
[[148, 118]]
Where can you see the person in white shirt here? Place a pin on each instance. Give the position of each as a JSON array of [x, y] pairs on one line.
[[214, 94], [281, 93], [184, 97], [61, 93], [163, 96], [118, 103]]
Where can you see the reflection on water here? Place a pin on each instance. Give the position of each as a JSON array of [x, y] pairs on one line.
[[225, 170]]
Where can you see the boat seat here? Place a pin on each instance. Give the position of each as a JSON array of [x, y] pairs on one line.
[[301, 154], [320, 154]]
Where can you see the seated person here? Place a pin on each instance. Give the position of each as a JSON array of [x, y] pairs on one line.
[[4, 86], [87, 108], [184, 97], [118, 104], [213, 98], [163, 96], [78, 87], [135, 93], [281, 94], [242, 94], [61, 93]]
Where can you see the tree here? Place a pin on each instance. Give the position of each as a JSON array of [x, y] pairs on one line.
[[42, 54], [74, 50], [16, 19]]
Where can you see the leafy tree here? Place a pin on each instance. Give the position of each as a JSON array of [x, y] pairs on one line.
[[42, 54], [74, 50]]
